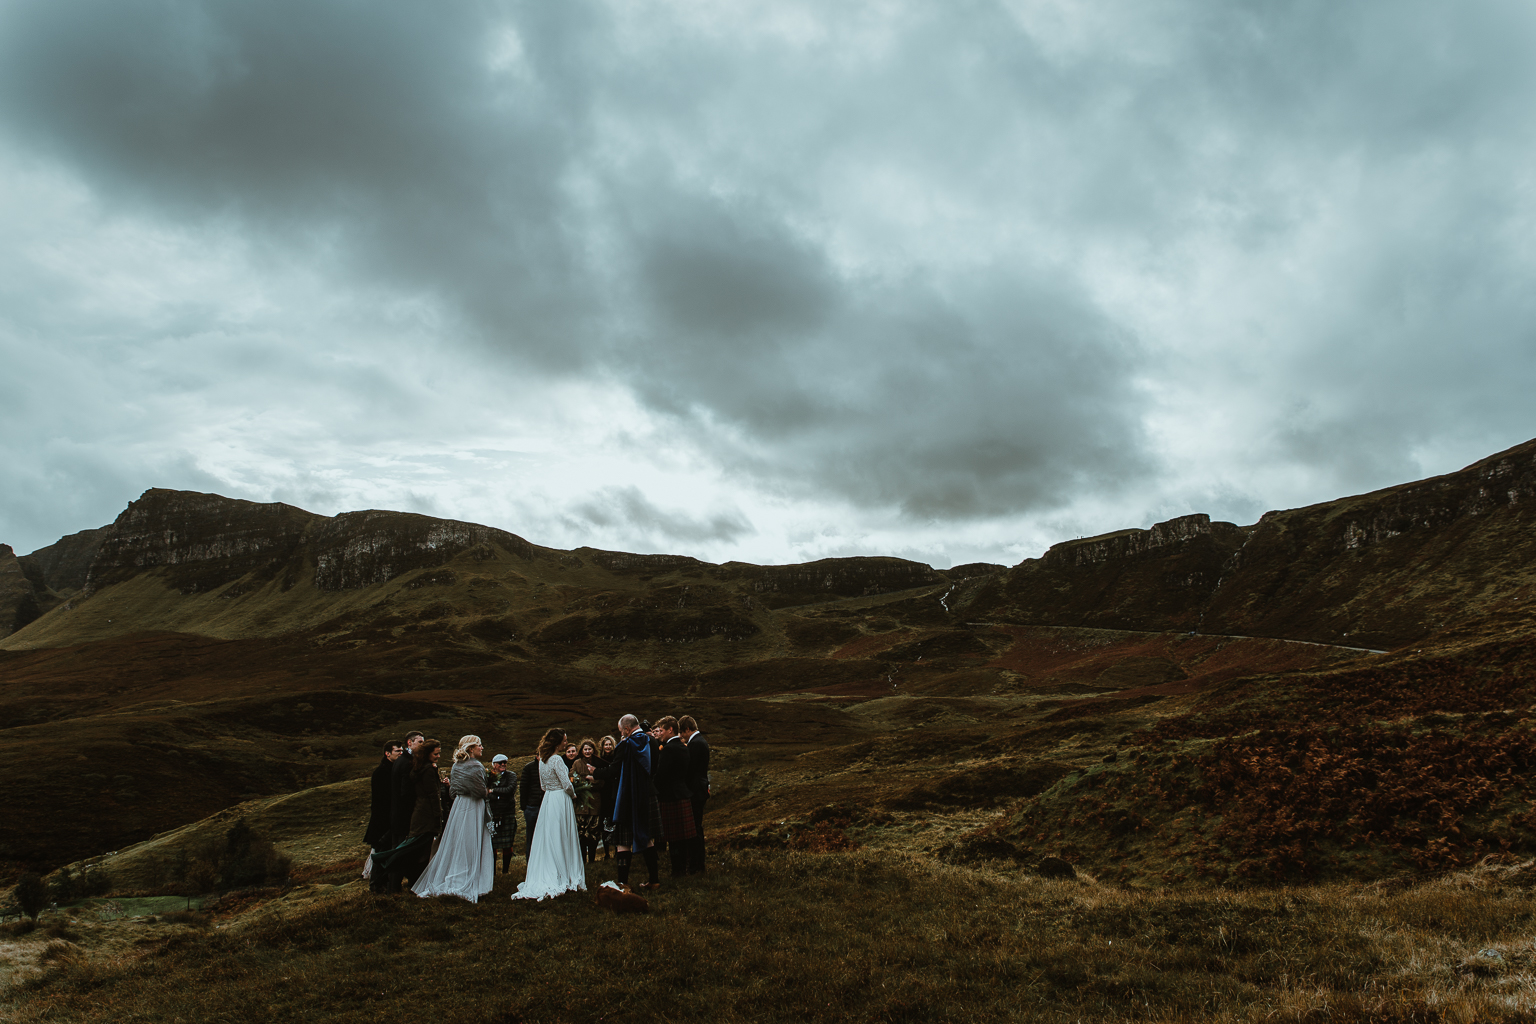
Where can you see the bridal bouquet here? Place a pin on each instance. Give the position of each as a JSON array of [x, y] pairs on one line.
[[582, 786]]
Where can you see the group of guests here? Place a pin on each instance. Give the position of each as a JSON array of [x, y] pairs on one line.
[[640, 792]]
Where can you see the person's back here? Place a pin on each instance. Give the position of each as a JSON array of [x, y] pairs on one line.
[[532, 795]]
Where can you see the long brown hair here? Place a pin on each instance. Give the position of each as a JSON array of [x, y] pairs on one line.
[[550, 743], [423, 756]]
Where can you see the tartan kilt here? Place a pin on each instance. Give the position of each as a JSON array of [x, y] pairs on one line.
[[624, 831], [503, 832], [677, 820]]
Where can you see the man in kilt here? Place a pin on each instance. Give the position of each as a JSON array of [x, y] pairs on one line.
[[501, 801], [673, 795], [636, 815]]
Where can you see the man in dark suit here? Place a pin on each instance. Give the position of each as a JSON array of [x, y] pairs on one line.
[[698, 787], [673, 796], [402, 795]]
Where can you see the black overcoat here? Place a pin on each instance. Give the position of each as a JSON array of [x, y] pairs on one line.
[[381, 808]]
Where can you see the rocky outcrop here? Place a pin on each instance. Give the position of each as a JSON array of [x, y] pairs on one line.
[[779, 586], [1159, 579], [1385, 568], [19, 600], [63, 565], [1126, 545], [360, 549], [200, 541], [1375, 570]]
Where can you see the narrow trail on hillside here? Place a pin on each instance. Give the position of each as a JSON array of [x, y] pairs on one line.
[[1163, 632]]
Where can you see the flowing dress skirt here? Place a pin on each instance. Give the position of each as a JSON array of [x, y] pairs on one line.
[[555, 863], [465, 864]]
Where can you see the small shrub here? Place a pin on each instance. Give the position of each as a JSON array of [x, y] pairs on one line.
[[31, 895], [249, 859], [64, 887]]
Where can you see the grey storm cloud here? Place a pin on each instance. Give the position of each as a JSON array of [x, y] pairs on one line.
[[627, 509], [961, 260]]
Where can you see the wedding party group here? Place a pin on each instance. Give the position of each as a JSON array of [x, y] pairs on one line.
[[635, 793]]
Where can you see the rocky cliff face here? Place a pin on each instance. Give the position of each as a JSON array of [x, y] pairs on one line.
[[359, 549], [1374, 570], [777, 586], [202, 542], [19, 602], [1157, 579], [302, 565], [63, 565], [1385, 568]]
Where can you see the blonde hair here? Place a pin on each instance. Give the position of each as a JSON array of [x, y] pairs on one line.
[[465, 742]]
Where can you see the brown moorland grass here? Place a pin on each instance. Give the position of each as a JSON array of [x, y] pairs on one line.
[[819, 937]]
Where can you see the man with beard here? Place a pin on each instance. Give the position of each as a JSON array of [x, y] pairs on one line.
[[698, 787], [636, 815]]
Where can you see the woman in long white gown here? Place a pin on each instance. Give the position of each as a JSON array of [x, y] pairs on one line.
[[464, 864], [555, 863]]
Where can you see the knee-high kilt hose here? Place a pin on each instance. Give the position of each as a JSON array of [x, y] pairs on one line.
[[677, 820]]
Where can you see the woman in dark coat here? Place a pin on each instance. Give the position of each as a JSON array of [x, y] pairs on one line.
[[607, 789], [427, 815], [502, 802]]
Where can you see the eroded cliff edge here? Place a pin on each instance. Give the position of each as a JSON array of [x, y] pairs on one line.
[[1375, 570]]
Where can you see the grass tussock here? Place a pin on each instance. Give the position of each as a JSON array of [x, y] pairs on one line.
[[820, 937]]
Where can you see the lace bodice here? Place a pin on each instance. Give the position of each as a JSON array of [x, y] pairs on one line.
[[555, 777]]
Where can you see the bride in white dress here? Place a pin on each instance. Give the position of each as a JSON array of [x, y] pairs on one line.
[[464, 864], [555, 863]]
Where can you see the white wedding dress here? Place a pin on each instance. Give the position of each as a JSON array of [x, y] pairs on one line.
[[555, 864], [464, 864]]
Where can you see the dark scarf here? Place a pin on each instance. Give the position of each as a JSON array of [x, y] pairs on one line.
[[627, 801]]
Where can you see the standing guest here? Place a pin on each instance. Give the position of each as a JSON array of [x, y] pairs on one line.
[[636, 816], [464, 864], [533, 795], [407, 859], [673, 796], [606, 789], [402, 802], [698, 787], [502, 801], [404, 795], [427, 813], [380, 807], [588, 824]]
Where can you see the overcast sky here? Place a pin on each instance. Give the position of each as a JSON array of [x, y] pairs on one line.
[[767, 281]]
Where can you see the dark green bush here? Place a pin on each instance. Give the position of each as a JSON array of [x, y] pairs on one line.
[[31, 895]]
